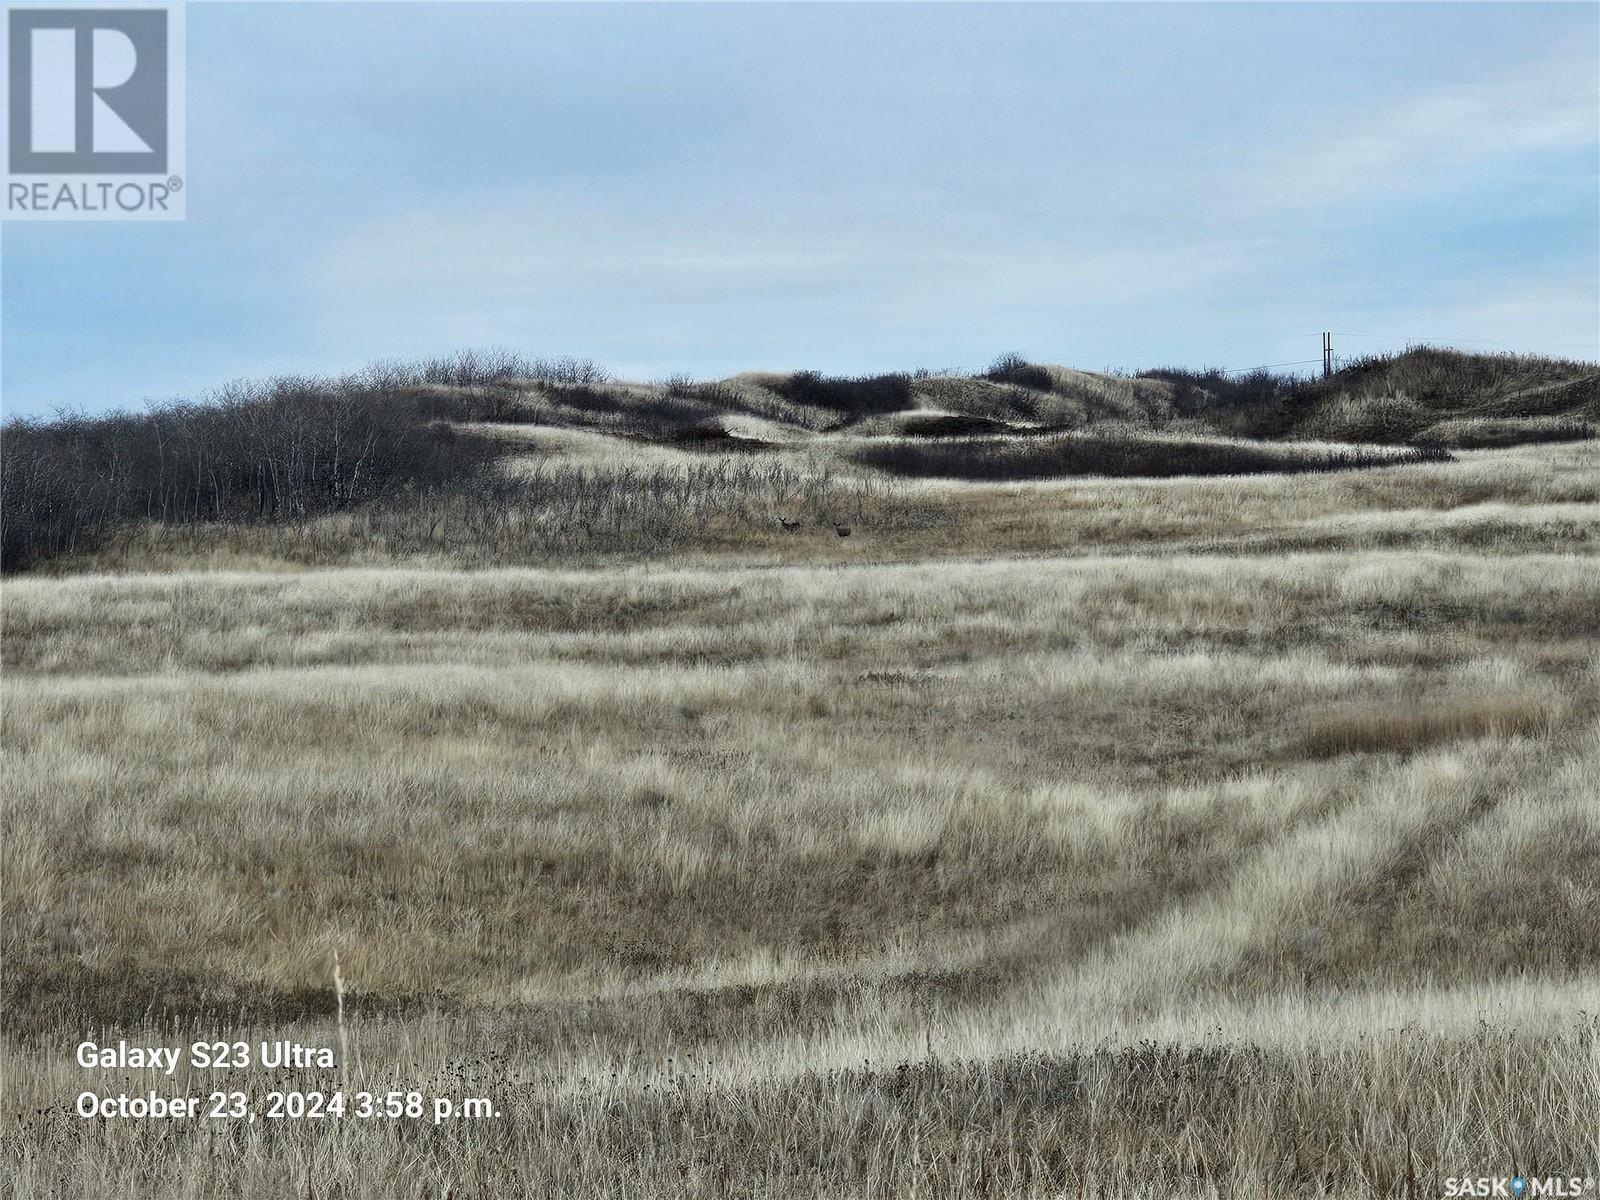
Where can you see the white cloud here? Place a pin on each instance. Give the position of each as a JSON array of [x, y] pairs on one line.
[[1550, 106]]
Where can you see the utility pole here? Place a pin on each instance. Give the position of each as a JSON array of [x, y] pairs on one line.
[[1327, 355]]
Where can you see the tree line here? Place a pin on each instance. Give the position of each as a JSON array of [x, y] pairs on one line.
[[284, 450]]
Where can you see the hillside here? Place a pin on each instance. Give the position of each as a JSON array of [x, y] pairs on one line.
[[525, 460], [1424, 396]]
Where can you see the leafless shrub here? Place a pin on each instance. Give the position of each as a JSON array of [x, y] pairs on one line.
[[473, 368], [556, 512], [1385, 397], [1118, 454], [1013, 368], [281, 451], [849, 396]]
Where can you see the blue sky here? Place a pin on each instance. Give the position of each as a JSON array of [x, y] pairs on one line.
[[850, 187]]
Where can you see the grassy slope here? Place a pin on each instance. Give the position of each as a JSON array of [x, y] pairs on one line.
[[1195, 835], [1391, 398], [1432, 395], [492, 459]]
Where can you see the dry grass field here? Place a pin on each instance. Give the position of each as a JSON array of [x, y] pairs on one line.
[[1182, 837]]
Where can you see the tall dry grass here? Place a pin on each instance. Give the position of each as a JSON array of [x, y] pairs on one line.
[[1194, 838]]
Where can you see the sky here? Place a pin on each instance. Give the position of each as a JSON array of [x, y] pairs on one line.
[[710, 188]]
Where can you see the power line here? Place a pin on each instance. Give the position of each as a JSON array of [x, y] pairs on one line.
[[1265, 366], [1398, 337]]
